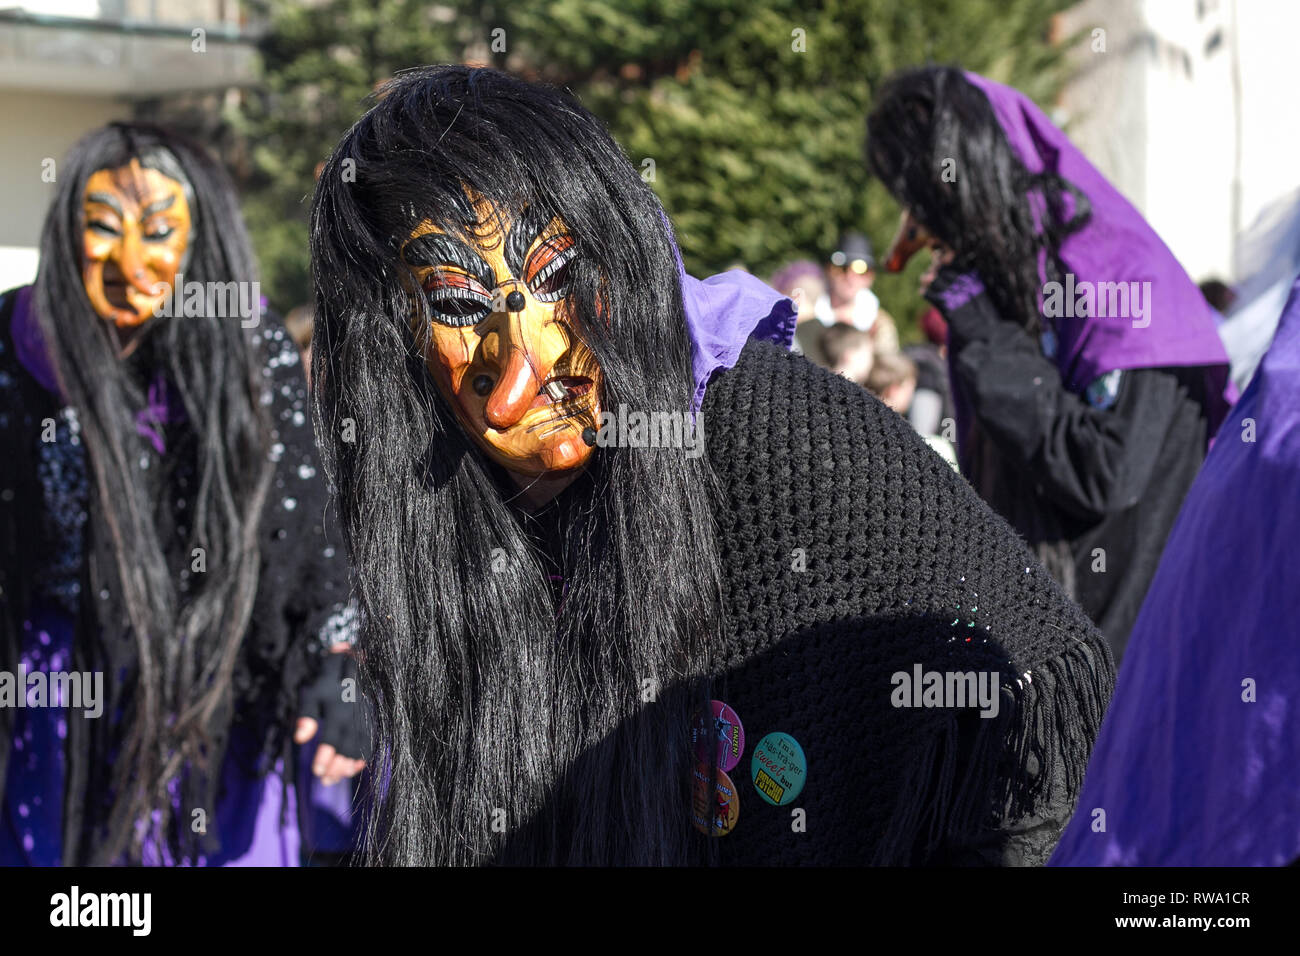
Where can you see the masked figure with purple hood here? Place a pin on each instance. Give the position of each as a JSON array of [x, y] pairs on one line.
[[1087, 374], [596, 508], [1197, 761], [167, 586]]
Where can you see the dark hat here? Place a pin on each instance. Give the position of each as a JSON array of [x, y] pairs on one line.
[[854, 247]]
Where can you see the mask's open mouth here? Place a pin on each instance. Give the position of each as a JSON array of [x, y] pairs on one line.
[[115, 287], [562, 388]]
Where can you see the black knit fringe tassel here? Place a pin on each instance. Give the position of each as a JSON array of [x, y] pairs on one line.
[[1032, 755]]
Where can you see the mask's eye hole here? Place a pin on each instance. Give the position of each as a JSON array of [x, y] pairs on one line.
[[456, 300], [159, 233], [101, 227], [547, 271]]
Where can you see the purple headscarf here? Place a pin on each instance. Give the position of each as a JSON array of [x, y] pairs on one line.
[[725, 311], [1115, 246], [1193, 766]]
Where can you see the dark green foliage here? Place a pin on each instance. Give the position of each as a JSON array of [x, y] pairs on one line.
[[757, 147]]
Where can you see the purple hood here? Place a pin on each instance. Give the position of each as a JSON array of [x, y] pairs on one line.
[[725, 311], [1115, 246]]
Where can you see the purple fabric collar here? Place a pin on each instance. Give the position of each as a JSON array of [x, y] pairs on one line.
[[29, 343], [725, 311], [29, 346], [1116, 245], [1189, 771]]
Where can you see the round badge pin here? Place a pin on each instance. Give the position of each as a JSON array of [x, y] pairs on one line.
[[778, 769], [724, 731], [716, 814]]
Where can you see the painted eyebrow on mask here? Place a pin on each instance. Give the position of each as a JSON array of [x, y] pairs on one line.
[[159, 206], [435, 249], [522, 234], [105, 199]]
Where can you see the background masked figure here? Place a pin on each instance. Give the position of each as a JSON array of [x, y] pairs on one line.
[[551, 592], [160, 526], [1086, 370]]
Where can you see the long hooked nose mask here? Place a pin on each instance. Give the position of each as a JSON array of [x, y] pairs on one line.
[[500, 346]]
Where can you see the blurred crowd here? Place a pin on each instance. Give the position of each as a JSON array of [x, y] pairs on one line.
[[843, 327]]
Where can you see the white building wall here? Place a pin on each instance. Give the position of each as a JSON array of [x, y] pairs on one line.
[[61, 76], [1270, 124], [1188, 112], [1191, 139], [50, 124]]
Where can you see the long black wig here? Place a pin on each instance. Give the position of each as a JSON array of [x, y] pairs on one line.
[[997, 217], [169, 637], [512, 726]]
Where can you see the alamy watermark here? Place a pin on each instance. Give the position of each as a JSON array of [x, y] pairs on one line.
[[949, 689], [1080, 299], [636, 429], [222, 300], [131, 911], [82, 690]]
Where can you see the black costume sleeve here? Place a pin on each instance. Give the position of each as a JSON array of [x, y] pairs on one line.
[[303, 605], [1089, 461], [333, 699]]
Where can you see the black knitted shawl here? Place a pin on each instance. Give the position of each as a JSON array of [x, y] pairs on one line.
[[903, 564]]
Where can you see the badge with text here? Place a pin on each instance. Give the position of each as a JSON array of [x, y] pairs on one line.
[[714, 815], [778, 769], [722, 732]]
